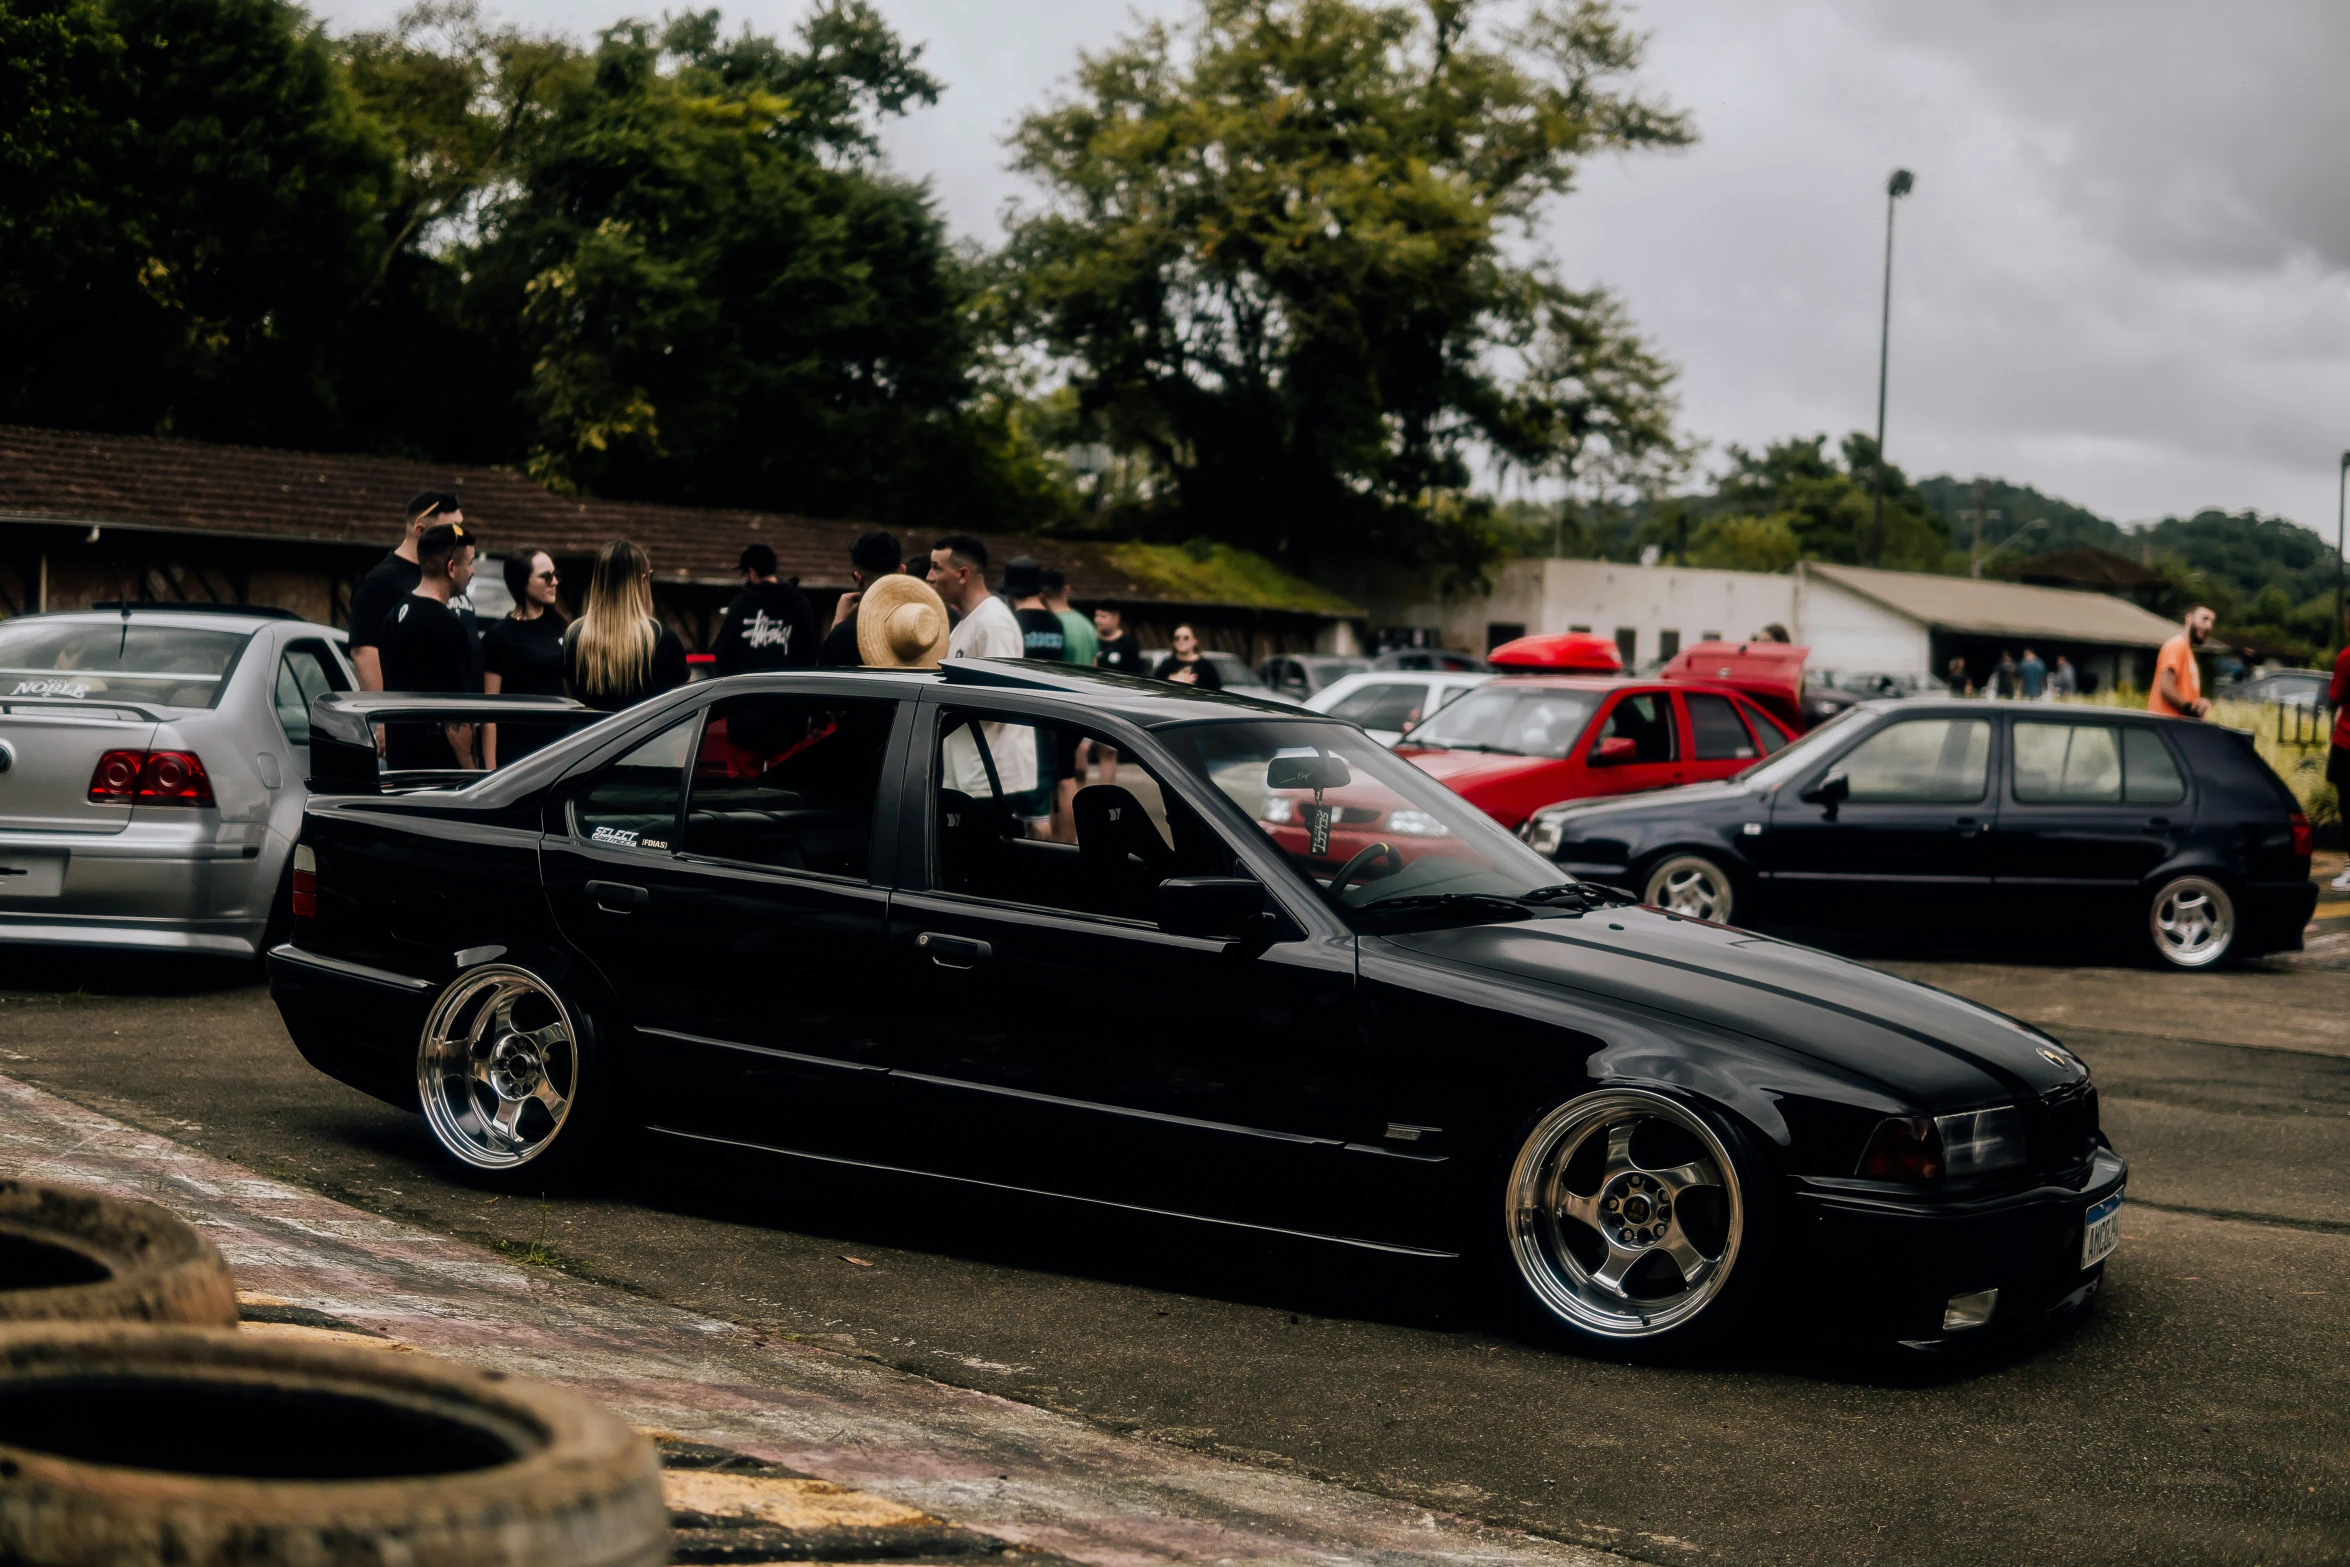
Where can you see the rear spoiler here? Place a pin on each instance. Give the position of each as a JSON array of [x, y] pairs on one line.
[[343, 725], [74, 705]]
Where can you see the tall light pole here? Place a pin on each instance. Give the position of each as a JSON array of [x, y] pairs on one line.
[[1897, 187]]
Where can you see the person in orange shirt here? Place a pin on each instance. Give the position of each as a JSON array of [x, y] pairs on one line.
[[2178, 684]]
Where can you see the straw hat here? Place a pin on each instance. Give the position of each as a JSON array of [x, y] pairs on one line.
[[901, 624]]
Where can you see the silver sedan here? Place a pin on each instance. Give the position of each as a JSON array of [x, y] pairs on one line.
[[151, 774]]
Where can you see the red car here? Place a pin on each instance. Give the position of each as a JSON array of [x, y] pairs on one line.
[[1517, 744]]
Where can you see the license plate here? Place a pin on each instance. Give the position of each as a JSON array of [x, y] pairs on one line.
[[2101, 1231], [31, 875]]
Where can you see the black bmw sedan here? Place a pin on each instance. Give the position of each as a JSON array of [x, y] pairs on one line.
[[1964, 817], [853, 920]]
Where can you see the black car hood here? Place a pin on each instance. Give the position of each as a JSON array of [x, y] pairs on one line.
[[1577, 812], [1931, 1049]]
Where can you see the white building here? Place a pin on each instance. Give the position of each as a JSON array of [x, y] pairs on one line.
[[1860, 624]]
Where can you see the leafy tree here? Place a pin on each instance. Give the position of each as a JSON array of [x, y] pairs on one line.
[[1825, 504], [1271, 253], [189, 203], [1741, 542]]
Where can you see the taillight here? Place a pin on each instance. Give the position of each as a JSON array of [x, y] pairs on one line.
[[2301, 836], [1903, 1148], [305, 883], [150, 778]]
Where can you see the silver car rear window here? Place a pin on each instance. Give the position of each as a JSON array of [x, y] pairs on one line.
[[97, 660]]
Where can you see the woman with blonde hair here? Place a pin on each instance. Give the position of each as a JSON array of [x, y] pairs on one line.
[[617, 653]]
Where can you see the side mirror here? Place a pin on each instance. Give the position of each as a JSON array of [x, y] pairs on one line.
[[1615, 751], [1217, 907], [1307, 772], [1830, 791]]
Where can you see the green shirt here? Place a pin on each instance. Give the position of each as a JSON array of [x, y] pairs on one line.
[[1083, 644]]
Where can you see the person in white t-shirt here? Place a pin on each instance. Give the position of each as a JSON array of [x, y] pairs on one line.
[[958, 570]]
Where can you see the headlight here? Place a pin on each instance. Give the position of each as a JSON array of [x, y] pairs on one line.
[[1543, 834], [1972, 1142], [1416, 824]]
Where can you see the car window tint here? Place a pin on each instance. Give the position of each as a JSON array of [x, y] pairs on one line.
[[306, 673], [1921, 761], [1766, 733], [2076, 764], [127, 660], [1057, 818], [1390, 704], [2149, 774], [789, 782], [1715, 732], [633, 802], [1647, 721]]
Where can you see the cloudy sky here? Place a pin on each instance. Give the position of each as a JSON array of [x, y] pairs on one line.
[[2124, 276]]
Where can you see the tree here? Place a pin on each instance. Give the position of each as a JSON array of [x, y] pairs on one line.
[[189, 203], [1824, 504], [1271, 255]]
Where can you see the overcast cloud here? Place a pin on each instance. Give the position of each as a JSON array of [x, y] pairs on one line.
[[2124, 276]]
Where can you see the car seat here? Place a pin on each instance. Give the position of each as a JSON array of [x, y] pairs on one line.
[[1123, 857]]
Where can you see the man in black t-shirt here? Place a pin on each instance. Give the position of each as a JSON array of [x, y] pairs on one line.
[[768, 626], [389, 583], [426, 648], [1121, 649], [872, 557], [1041, 636]]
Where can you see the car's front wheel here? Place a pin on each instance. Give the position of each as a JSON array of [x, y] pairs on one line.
[[512, 1073], [2192, 921], [1633, 1220], [1691, 885]]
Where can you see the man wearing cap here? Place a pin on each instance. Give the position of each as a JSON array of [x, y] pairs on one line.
[[768, 626], [390, 581]]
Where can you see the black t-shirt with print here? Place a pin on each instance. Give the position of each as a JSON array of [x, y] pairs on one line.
[[768, 626], [1122, 653], [1042, 636], [425, 648]]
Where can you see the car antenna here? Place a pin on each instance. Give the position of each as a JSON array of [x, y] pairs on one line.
[[122, 643]]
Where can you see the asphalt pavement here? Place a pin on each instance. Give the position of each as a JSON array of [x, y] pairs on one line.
[[2198, 1415]]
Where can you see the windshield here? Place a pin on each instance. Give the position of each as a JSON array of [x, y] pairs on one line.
[[1373, 833], [1520, 722], [125, 660], [1800, 753]]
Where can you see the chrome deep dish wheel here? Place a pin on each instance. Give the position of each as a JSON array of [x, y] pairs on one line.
[[1691, 885], [1625, 1214], [2193, 922], [498, 1067]]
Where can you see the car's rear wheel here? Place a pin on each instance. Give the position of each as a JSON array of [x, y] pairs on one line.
[[1632, 1220], [2192, 921], [512, 1076], [1691, 885]]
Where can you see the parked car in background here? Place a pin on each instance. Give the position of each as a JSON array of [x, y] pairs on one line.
[[1444, 658], [1522, 742], [1387, 702], [151, 773], [1299, 675], [1966, 817], [2287, 687]]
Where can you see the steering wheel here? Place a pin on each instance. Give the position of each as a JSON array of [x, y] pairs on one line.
[[1363, 857]]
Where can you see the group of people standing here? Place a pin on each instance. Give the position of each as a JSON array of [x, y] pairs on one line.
[[2029, 678]]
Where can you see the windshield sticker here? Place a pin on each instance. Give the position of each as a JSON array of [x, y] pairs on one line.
[[71, 688], [621, 837], [1318, 829]]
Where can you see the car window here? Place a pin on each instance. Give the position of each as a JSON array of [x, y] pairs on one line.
[[307, 672], [1715, 732], [1766, 734], [789, 782], [1390, 704], [125, 660], [2076, 764], [1921, 761], [2150, 776], [1058, 818], [1645, 719], [633, 803]]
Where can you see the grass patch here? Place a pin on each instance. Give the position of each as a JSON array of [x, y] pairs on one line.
[[1202, 572]]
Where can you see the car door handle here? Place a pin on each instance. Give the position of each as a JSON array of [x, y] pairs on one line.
[[2158, 821], [953, 951], [617, 897], [1966, 827]]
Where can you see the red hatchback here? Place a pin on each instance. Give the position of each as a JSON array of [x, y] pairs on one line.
[[1519, 743]]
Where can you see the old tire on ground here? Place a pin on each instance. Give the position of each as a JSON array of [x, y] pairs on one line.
[[1691, 885], [75, 1256], [204, 1447]]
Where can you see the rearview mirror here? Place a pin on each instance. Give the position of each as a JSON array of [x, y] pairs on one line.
[[1830, 791], [1307, 772], [1214, 906], [1615, 751]]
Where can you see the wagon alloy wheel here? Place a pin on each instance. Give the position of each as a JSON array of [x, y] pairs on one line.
[[1692, 885], [498, 1068], [1625, 1214], [2193, 922]]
